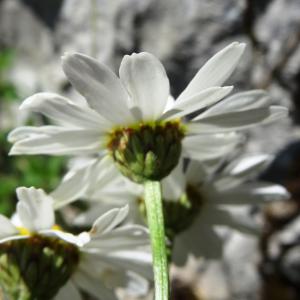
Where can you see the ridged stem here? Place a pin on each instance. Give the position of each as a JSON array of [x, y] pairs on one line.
[[153, 200]]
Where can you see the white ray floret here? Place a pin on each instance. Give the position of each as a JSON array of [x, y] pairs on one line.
[[141, 94]]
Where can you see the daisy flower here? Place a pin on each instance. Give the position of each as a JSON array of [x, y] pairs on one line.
[[201, 200], [41, 261], [135, 120]]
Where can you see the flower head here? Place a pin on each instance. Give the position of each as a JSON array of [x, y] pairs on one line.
[[38, 258], [134, 119], [208, 199]]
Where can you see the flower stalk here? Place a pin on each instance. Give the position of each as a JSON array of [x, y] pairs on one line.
[[153, 200]]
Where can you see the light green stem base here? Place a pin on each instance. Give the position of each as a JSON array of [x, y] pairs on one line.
[[155, 218]]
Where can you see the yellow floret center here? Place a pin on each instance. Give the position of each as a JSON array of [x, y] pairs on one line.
[[26, 231]]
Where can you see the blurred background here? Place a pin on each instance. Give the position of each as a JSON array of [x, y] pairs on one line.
[[183, 34]]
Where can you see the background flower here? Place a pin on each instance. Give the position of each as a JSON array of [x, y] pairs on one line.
[[111, 255]]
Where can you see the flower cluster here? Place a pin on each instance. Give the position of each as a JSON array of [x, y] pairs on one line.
[[130, 132]]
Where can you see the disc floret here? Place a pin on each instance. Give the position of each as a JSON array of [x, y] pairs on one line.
[[147, 151]]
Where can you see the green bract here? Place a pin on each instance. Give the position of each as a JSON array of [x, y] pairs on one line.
[[148, 151], [181, 214], [36, 267]]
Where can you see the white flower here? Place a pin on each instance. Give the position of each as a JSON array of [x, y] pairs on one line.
[[111, 255], [224, 196], [141, 95]]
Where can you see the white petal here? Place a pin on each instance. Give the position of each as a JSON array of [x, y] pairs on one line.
[[98, 268], [271, 192], [206, 147], [136, 285], [78, 240], [74, 185], [173, 186], [89, 180], [196, 172], [223, 183], [89, 216], [215, 71], [185, 106], [65, 111], [238, 120], [251, 193], [116, 191], [103, 174], [240, 101], [276, 113], [109, 221], [35, 208], [123, 238], [93, 286], [67, 292], [147, 83], [236, 217], [247, 165], [107, 200], [100, 86], [139, 262], [6, 227], [57, 142], [290, 233], [24, 132], [170, 103], [199, 240]]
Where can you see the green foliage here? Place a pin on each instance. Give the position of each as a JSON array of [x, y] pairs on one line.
[[38, 171], [6, 58], [8, 91]]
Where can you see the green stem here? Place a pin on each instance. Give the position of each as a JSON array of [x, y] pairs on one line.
[[155, 218]]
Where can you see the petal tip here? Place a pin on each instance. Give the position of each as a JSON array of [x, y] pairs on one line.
[[12, 152], [19, 191], [65, 55], [238, 44], [32, 101], [240, 47], [228, 88], [26, 103], [125, 209]]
